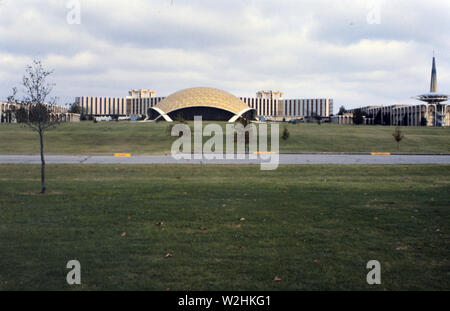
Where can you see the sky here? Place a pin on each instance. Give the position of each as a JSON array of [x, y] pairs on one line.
[[358, 52]]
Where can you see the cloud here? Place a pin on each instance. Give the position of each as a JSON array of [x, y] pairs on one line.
[[304, 48]]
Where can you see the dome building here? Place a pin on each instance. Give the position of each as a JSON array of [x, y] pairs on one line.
[[212, 104]]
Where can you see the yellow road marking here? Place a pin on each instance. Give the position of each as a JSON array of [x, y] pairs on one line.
[[380, 153], [122, 155]]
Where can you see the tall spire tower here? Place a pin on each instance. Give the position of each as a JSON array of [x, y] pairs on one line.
[[433, 85], [436, 99], [433, 97]]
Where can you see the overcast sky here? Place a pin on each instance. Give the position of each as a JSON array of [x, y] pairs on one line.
[[358, 52]]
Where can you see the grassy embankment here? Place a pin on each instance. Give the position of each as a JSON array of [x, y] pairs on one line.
[[147, 138]]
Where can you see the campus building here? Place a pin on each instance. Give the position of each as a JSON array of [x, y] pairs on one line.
[[406, 115], [8, 109], [433, 113], [212, 104], [345, 119]]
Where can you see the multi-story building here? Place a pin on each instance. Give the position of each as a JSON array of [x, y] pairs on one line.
[[7, 112], [433, 113], [266, 103], [406, 115], [116, 106]]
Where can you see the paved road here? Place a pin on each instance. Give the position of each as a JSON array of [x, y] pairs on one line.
[[283, 159]]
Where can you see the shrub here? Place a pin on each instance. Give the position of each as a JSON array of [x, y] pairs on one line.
[[180, 118], [358, 117], [286, 134], [75, 108], [423, 121]]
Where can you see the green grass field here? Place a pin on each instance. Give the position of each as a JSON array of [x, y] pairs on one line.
[[147, 138], [315, 227]]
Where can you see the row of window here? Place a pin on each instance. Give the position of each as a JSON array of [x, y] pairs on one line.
[[307, 107], [139, 106], [263, 107], [52, 108]]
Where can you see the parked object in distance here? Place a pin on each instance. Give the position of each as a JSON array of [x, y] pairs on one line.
[[99, 119]]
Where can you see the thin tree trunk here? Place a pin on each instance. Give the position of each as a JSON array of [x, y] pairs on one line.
[[41, 137]]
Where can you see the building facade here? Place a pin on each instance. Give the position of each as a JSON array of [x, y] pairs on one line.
[[7, 112], [267, 104], [276, 109], [346, 118], [116, 106], [406, 115], [434, 112]]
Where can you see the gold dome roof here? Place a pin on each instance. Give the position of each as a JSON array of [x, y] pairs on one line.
[[202, 97]]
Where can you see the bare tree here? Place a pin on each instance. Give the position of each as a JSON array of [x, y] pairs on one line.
[[244, 121], [398, 136], [34, 111]]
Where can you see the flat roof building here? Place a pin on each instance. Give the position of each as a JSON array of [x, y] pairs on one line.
[[212, 104], [432, 113], [8, 112]]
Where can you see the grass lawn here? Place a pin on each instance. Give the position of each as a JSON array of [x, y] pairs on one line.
[[315, 227], [146, 138]]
